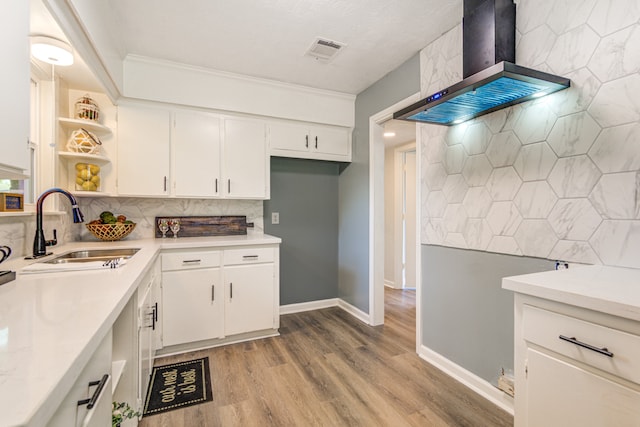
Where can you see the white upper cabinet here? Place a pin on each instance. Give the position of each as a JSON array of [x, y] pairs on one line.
[[196, 154], [14, 86], [143, 151], [245, 160], [310, 141]]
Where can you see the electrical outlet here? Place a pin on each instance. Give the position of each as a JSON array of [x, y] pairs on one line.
[[275, 217]]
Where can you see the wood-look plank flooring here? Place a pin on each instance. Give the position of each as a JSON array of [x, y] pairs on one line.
[[329, 369]]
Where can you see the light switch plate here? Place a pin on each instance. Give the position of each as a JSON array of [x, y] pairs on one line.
[[275, 217]]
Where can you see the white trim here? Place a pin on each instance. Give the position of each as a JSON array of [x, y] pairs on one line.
[[308, 306], [469, 379], [376, 205], [418, 240], [390, 284], [354, 311], [326, 303]]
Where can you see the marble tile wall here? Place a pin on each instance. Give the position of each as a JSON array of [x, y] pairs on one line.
[[18, 232], [555, 178]]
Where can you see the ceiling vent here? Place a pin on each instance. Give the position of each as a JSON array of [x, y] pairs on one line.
[[324, 49]]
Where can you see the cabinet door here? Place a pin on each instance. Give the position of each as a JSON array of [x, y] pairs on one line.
[[561, 394], [330, 141], [14, 85], [196, 151], [145, 337], [193, 306], [143, 151], [70, 413], [288, 137], [245, 160], [156, 299], [250, 294]]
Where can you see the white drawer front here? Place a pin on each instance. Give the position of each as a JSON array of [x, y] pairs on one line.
[[544, 328], [190, 260], [248, 256]]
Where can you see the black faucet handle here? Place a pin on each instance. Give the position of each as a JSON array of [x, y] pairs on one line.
[[54, 241]]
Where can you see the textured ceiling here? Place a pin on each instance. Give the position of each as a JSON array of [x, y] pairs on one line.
[[268, 39]]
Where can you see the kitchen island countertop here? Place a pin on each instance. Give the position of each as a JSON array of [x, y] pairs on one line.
[[610, 290], [51, 323]]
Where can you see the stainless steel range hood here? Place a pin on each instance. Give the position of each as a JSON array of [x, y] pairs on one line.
[[491, 79]]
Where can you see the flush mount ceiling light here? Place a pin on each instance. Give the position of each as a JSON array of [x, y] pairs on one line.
[[51, 50], [389, 134]]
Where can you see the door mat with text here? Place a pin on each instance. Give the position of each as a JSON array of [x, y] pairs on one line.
[[178, 385]]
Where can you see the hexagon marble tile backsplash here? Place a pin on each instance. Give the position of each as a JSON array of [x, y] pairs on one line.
[[555, 178]]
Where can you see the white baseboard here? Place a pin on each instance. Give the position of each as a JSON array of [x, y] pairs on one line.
[[469, 379], [308, 306], [326, 303], [354, 311]]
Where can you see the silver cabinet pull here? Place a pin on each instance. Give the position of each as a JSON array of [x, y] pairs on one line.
[[229, 186], [230, 290], [191, 261], [250, 256], [306, 144], [316, 142], [604, 351], [216, 185], [96, 394], [165, 183], [213, 293]]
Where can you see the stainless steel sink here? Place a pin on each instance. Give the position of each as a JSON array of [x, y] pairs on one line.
[[89, 255]]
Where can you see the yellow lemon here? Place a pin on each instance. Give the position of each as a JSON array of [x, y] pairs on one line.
[[95, 179], [80, 166], [79, 181], [85, 174], [94, 169]]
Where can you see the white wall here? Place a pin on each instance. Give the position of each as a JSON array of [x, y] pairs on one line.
[[554, 178]]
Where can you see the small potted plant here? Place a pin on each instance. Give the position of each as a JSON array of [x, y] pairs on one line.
[[122, 411]]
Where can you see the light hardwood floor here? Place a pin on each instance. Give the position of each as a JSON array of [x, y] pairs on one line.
[[329, 369]]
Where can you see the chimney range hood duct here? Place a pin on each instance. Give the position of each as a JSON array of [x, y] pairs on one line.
[[491, 79]]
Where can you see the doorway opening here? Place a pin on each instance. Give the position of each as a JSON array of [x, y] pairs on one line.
[[377, 217], [400, 204]]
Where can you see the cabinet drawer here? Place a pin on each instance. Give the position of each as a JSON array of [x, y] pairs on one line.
[[190, 260], [248, 256], [544, 328]]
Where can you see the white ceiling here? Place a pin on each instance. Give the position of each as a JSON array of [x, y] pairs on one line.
[[404, 131], [268, 39]]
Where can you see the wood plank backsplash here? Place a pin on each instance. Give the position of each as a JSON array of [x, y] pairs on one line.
[[197, 226]]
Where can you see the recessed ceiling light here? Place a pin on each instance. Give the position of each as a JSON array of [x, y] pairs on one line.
[[389, 134], [51, 51]]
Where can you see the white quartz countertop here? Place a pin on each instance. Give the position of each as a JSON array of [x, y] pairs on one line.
[[51, 323], [611, 290]]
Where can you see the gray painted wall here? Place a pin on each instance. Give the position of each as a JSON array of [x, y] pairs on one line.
[[466, 316], [305, 193], [354, 182]]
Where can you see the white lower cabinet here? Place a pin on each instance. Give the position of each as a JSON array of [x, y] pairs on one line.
[[88, 403], [249, 302], [574, 367], [211, 295], [193, 307]]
